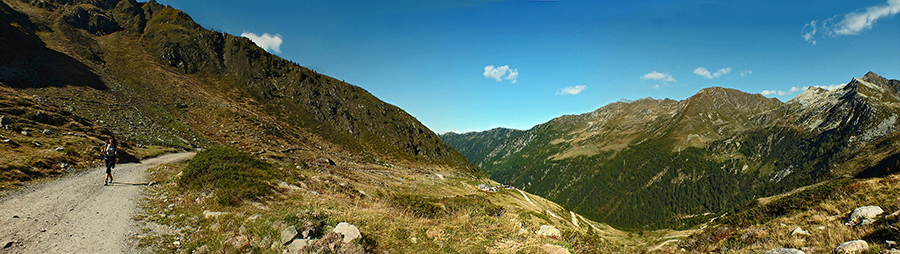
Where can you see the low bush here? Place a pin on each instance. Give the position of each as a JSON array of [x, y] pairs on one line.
[[232, 175]]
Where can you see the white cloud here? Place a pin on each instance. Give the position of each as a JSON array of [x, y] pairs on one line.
[[267, 41], [703, 72], [809, 32], [746, 73], [658, 76], [497, 73], [572, 90], [852, 23], [798, 89]]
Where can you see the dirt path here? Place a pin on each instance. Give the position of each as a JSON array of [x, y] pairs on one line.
[[76, 213]]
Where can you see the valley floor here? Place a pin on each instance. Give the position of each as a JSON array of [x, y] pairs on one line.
[[77, 213]]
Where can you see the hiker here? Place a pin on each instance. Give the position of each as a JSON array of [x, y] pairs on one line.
[[109, 153]]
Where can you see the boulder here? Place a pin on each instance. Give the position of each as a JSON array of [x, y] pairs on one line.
[[288, 234], [297, 246], [799, 231], [5, 122], [60, 148], [864, 215], [350, 232], [851, 247], [554, 249], [48, 132], [239, 242], [549, 231], [784, 251]]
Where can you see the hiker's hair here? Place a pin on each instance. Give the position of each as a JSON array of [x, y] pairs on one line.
[[113, 138]]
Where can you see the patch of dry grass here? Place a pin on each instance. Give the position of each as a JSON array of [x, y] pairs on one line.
[[824, 221], [467, 220]]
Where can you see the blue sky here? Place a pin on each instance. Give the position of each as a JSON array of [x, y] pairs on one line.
[[461, 65]]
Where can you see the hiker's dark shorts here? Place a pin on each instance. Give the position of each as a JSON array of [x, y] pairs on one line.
[[110, 163]]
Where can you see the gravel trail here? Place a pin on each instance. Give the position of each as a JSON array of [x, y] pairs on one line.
[[77, 213]]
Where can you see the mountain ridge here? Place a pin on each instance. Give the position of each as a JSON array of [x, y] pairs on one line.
[[636, 156]]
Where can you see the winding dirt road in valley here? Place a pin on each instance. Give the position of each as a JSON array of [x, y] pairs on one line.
[[77, 213]]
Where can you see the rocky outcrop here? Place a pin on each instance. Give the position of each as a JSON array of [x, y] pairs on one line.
[[91, 19], [864, 215]]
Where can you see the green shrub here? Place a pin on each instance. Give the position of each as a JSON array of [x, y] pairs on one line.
[[231, 174]]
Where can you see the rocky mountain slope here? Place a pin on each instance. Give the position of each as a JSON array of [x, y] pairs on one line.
[[304, 150], [664, 163], [148, 72]]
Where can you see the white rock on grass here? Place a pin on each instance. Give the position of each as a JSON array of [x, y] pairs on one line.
[[864, 215], [784, 251], [350, 232], [851, 247], [549, 231], [288, 234], [799, 231], [297, 246]]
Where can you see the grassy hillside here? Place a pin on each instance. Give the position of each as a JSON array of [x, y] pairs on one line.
[[283, 145], [154, 76], [660, 163]]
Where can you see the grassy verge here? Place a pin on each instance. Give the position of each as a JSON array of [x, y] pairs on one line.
[[396, 210]]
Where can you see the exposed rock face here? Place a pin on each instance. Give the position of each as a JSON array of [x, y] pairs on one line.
[[851, 247], [90, 18], [784, 251], [864, 215]]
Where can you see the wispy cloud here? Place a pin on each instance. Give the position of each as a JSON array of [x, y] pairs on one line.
[[572, 90], [782, 93], [268, 42], [852, 23], [658, 76], [664, 77], [746, 73], [703, 72], [497, 73]]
